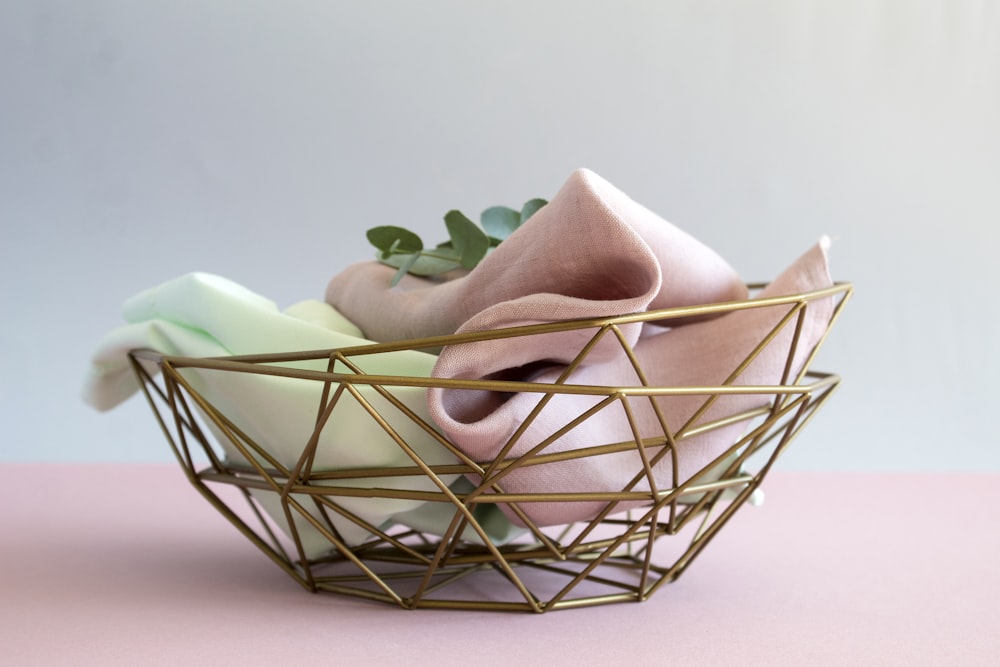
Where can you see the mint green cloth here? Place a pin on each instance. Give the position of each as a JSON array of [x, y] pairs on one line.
[[203, 315]]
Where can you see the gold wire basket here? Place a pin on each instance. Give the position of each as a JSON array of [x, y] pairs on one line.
[[614, 556]]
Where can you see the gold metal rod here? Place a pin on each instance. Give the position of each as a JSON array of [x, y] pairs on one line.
[[412, 570]]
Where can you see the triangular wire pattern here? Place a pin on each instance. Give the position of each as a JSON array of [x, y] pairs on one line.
[[313, 518]]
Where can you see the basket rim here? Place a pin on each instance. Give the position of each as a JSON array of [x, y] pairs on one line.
[[843, 289]]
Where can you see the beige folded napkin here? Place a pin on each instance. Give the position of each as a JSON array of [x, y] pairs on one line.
[[591, 251], [699, 354]]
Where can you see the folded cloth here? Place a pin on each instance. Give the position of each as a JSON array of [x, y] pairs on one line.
[[700, 354], [591, 251], [203, 315]]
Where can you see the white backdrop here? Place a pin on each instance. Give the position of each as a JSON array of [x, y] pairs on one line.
[[258, 140]]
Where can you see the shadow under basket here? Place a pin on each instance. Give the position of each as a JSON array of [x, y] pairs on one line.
[[304, 508]]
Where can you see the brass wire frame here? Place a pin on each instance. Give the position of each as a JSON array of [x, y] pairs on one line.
[[609, 559]]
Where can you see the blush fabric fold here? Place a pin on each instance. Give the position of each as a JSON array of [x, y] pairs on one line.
[[591, 251], [698, 354]]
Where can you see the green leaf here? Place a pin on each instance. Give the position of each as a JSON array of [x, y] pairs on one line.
[[468, 243], [444, 251], [426, 263], [391, 239], [500, 221], [467, 238], [530, 208], [404, 268]]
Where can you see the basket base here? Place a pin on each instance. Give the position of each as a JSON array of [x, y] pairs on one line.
[[626, 558], [298, 518]]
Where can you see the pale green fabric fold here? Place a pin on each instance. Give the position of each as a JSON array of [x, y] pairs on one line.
[[203, 315]]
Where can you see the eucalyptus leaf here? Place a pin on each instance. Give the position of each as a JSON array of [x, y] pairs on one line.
[[530, 208], [406, 267], [468, 243], [445, 251], [467, 238], [500, 221], [392, 239], [422, 264]]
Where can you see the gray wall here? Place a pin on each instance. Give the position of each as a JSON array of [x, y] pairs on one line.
[[258, 140]]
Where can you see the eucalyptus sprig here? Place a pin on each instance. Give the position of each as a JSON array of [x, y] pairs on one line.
[[466, 246]]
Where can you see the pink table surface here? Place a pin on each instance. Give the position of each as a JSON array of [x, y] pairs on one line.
[[126, 565]]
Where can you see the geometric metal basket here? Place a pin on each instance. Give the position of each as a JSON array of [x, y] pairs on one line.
[[298, 512]]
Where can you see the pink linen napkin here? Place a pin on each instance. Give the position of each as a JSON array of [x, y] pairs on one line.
[[591, 251], [698, 354]]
